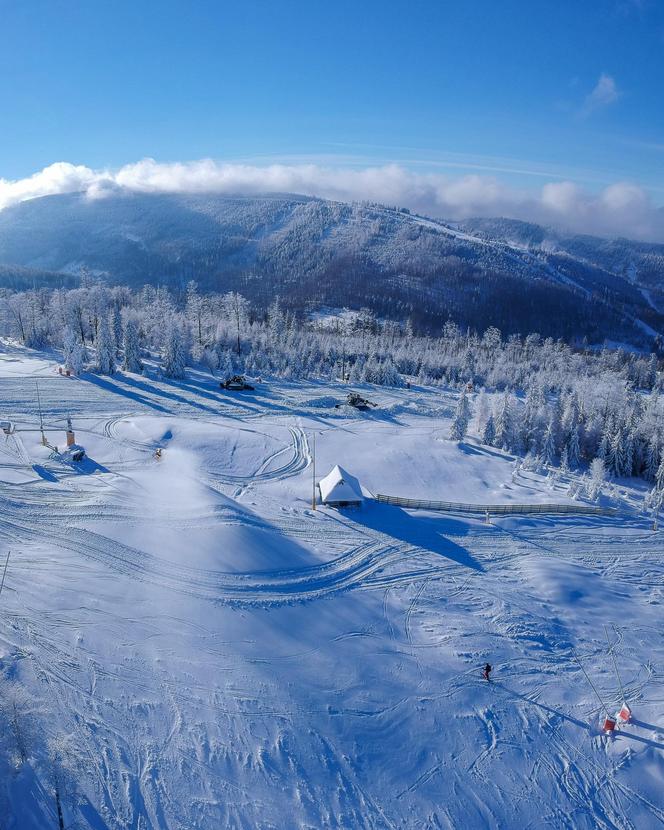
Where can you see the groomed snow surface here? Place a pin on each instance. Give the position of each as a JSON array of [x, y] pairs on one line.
[[220, 655]]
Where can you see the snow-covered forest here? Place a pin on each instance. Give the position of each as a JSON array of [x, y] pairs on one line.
[[557, 405], [316, 253]]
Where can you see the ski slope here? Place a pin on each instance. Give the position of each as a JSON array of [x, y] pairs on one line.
[[224, 656]]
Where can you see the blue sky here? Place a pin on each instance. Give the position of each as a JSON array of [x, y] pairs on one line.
[[524, 92]]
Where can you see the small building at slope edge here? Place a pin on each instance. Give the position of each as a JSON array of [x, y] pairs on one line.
[[340, 489]]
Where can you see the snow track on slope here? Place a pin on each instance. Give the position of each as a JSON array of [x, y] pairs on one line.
[[299, 460], [352, 570]]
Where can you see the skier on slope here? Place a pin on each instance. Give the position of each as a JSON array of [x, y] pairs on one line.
[[487, 671]]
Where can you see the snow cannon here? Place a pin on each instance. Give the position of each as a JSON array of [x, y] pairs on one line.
[[609, 725], [625, 714]]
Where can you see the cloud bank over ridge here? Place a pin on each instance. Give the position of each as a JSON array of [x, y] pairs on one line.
[[621, 209]]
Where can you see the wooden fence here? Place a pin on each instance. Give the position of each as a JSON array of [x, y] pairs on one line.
[[497, 509]]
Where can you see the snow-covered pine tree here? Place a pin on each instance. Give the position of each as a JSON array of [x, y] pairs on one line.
[[597, 478], [117, 329], [210, 359], [482, 410], [132, 347], [276, 320], [79, 357], [651, 372], [194, 315], [174, 354], [390, 375], [549, 445], [504, 426], [605, 441], [652, 459], [564, 460], [573, 448], [68, 344], [225, 367], [37, 320], [105, 363], [73, 352], [530, 420], [236, 310], [461, 418], [616, 457], [652, 503], [629, 450], [489, 432], [659, 478], [570, 416]]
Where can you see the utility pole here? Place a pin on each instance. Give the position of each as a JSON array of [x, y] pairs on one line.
[[313, 474], [41, 418]]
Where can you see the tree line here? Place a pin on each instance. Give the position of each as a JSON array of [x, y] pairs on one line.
[[562, 405]]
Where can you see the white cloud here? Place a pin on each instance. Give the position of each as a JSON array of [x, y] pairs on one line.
[[605, 92], [622, 209], [61, 177]]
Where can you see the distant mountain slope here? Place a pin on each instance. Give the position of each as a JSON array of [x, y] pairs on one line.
[[315, 252], [18, 278], [641, 263]]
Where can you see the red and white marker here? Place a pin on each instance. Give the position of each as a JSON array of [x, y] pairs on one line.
[[609, 725], [625, 713]]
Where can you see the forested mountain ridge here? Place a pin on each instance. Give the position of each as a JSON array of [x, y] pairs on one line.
[[641, 263], [314, 252]]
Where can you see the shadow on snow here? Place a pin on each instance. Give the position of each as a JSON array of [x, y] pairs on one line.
[[426, 532]]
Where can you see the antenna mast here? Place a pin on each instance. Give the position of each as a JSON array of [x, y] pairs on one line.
[[313, 474]]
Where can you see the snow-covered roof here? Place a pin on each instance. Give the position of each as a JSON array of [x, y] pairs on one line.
[[339, 486]]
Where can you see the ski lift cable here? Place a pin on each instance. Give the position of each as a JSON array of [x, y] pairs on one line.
[[592, 685], [4, 573], [615, 664]]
